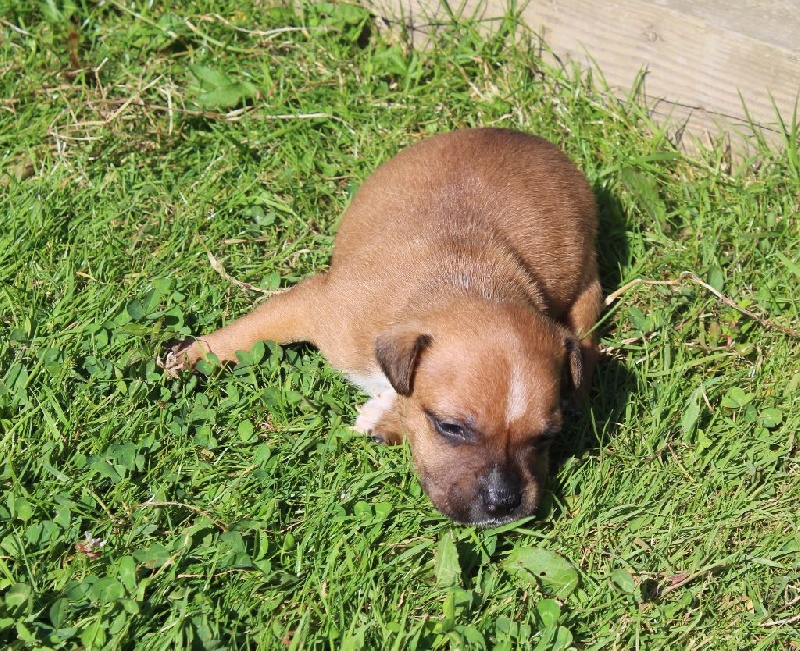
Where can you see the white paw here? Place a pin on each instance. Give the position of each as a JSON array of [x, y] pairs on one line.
[[176, 360], [372, 411]]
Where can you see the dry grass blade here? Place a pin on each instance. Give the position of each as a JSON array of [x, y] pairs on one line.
[[691, 276]]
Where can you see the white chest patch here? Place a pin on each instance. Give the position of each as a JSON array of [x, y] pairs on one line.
[[374, 383], [516, 396]]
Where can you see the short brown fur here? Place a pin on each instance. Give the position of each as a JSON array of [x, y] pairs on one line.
[[463, 289]]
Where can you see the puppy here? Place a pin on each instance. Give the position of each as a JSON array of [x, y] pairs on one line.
[[461, 296]]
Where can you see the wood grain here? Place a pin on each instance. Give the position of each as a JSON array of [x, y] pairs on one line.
[[702, 58]]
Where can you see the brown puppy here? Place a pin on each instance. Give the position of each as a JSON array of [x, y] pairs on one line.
[[462, 288]]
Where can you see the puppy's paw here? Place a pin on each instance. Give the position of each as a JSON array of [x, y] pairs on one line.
[[386, 438], [371, 412], [180, 357], [375, 419]]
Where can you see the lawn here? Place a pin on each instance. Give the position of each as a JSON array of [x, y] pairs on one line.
[[164, 165]]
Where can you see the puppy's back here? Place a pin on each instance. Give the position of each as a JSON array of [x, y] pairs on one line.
[[489, 185]]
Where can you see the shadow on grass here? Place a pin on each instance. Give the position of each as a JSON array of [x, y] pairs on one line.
[[612, 241], [612, 383]]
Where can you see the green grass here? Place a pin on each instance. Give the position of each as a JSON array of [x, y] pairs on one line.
[[234, 508]]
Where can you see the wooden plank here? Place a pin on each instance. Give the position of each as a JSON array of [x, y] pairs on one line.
[[699, 55]]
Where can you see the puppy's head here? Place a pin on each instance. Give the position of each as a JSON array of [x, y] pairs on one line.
[[480, 400]]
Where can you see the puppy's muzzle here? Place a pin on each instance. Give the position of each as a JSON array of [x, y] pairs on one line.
[[500, 491]]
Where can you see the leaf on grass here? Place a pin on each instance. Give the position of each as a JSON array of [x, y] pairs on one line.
[[639, 320], [549, 612], [692, 412], [623, 580], [736, 398], [136, 309], [245, 430], [563, 639], [264, 565], [163, 286], [474, 638], [58, 612], [226, 96], [153, 557], [716, 278], [535, 564], [447, 567], [771, 417], [126, 573], [262, 454], [448, 612], [63, 516], [703, 441], [215, 89], [209, 77], [383, 510], [105, 469], [18, 594], [22, 509], [106, 590]]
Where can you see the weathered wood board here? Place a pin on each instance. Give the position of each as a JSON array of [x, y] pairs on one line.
[[705, 60]]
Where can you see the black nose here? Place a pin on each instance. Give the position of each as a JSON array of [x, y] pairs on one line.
[[500, 491]]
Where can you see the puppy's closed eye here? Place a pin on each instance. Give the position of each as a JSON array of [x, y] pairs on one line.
[[452, 431]]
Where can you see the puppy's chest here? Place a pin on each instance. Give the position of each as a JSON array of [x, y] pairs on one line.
[[373, 383]]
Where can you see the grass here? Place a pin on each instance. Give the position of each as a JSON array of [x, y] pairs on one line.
[[234, 508]]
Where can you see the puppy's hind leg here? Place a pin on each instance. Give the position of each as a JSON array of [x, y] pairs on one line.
[[285, 318], [581, 318]]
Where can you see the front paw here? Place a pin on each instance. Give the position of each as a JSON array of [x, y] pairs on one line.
[[377, 418], [386, 438], [181, 357]]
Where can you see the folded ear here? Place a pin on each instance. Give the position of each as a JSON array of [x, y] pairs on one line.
[[397, 353], [575, 359]]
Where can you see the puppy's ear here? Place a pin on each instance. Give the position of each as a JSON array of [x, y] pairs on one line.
[[397, 354], [575, 360]]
